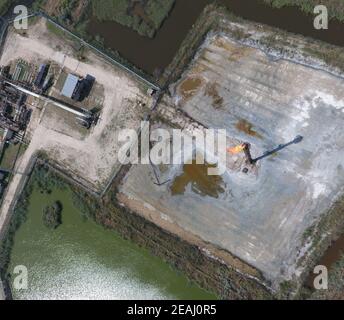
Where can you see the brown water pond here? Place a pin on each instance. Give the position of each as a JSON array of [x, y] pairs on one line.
[[197, 176]]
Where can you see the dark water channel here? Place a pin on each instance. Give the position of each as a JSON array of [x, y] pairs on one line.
[[157, 53]]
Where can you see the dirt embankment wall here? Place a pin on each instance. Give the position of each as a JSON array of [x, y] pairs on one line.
[[208, 272]]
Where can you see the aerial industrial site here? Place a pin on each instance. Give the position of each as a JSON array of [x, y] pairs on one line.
[[254, 232]]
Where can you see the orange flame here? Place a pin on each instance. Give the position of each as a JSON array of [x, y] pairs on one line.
[[236, 150]]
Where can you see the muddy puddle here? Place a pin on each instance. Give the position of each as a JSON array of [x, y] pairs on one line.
[[201, 183], [212, 91], [247, 127], [235, 53], [190, 86], [332, 255]]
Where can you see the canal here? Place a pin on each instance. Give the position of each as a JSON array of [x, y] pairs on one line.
[[82, 260], [155, 54]]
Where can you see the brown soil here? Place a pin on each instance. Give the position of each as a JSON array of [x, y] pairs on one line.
[[245, 126], [190, 86], [201, 182], [139, 11], [212, 91], [52, 6], [77, 13]]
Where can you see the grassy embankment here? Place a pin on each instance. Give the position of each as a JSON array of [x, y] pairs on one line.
[[4, 5], [71, 13], [10, 153], [8, 158], [193, 40], [335, 7], [145, 18], [283, 42]]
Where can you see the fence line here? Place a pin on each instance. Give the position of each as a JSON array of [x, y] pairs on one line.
[[103, 54], [41, 13]]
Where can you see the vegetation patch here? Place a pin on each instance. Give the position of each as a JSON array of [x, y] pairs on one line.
[[190, 45], [52, 215], [9, 155], [335, 7], [68, 11], [144, 16], [4, 5]]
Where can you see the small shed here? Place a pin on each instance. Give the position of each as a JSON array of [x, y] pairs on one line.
[[70, 85]]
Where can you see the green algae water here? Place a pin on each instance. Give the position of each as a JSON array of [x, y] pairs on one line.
[[82, 260]]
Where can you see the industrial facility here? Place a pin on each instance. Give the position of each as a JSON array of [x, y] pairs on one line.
[[42, 81], [22, 79], [14, 113], [76, 88]]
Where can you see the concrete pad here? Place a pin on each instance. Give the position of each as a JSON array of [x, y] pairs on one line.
[[259, 219]]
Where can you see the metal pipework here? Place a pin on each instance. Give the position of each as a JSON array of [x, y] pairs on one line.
[[81, 114], [247, 150]]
